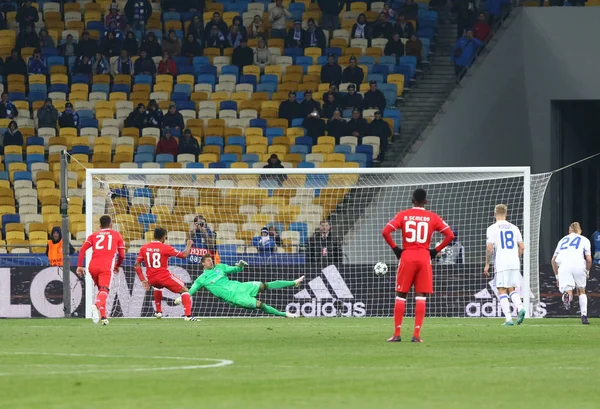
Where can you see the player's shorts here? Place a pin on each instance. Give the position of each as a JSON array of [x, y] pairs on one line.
[[170, 282], [508, 279], [417, 273], [245, 294], [102, 278], [571, 277]]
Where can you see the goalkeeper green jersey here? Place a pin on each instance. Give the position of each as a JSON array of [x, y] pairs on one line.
[[217, 283]]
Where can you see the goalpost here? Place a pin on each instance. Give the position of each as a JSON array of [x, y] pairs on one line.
[[357, 203]]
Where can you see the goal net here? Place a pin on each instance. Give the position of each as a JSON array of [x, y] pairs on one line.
[[322, 223]]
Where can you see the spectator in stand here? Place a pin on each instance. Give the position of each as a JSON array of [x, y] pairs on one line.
[[167, 65], [453, 253], [130, 44], [257, 29], [68, 48], [465, 51], [119, 35], [55, 246], [111, 47], [361, 29], [167, 144], [87, 46], [234, 37], [114, 16], [330, 106], [309, 104], [465, 15], [28, 38], [331, 72], [404, 27], [314, 126], [482, 30], [314, 36], [388, 11], [12, 136], [332, 90], [68, 118], [394, 47], [216, 39], [47, 115], [357, 125], [353, 73], [374, 98], [83, 65], [331, 10], [274, 163], [202, 235], [414, 47], [122, 65], [336, 126], [595, 250], [378, 127], [36, 64], [275, 236], [323, 247], [138, 13], [144, 65], [27, 15], [262, 55], [151, 45], [171, 44], [239, 24], [14, 64], [173, 119], [154, 115], [137, 118], [216, 21], [410, 10], [494, 9], [295, 35], [189, 144], [46, 40], [265, 243], [290, 109], [100, 65], [352, 99], [243, 55], [196, 29], [7, 108], [191, 47], [381, 28], [277, 18]]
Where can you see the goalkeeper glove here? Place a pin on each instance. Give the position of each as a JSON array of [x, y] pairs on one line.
[[433, 253], [241, 264], [397, 251]]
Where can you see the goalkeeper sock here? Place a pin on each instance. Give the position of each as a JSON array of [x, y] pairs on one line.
[[270, 310], [186, 300], [158, 300], [399, 308], [101, 303], [516, 299], [583, 304], [273, 285], [505, 306], [420, 307]]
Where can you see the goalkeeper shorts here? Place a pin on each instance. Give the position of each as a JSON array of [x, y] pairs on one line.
[[245, 295]]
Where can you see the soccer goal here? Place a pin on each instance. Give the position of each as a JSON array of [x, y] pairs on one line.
[[226, 210]]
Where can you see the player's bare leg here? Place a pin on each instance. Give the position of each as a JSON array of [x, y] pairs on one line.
[[158, 302], [505, 307], [583, 305], [518, 303], [399, 308]]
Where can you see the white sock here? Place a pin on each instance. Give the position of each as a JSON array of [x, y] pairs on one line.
[[505, 307], [516, 299], [583, 304]]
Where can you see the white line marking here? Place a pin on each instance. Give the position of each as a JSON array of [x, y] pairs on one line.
[[214, 363]]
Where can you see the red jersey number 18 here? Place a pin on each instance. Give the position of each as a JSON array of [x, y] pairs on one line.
[[416, 231], [100, 242], [153, 261]]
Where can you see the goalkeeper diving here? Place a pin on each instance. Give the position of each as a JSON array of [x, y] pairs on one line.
[[215, 279]]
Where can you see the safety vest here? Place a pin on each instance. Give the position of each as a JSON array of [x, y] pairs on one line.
[[55, 253]]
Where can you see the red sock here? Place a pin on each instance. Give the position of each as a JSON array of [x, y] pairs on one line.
[[101, 303], [186, 300], [158, 300], [399, 308], [419, 315]]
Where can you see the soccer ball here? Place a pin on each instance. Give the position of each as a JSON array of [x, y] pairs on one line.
[[380, 268]]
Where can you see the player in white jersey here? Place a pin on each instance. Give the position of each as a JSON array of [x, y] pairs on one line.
[[505, 243], [571, 264]]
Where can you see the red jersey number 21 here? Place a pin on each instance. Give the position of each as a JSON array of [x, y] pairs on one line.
[[416, 231], [100, 242]]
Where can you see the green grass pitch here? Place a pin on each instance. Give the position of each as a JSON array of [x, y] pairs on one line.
[[303, 363]]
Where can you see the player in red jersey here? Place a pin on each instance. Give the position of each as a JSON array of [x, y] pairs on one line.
[[156, 257], [417, 226], [104, 244]]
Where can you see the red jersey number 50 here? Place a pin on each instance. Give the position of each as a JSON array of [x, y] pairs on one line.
[[416, 231], [100, 242]]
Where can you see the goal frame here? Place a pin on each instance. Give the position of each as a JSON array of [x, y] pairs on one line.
[[524, 170]]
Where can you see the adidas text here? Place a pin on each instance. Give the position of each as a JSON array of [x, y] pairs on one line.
[[315, 308]]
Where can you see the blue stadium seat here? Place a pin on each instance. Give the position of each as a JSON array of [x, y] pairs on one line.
[[195, 165], [79, 78], [297, 122], [267, 87], [80, 149], [3, 175], [342, 149], [250, 157], [85, 113], [38, 88], [274, 132], [200, 61], [316, 181], [334, 50], [206, 69], [88, 123], [269, 78], [368, 151], [214, 141], [49, 51], [9, 218], [186, 69], [206, 79], [121, 192], [366, 59], [12, 158], [17, 96], [229, 158], [146, 219], [258, 123], [35, 141], [141, 158], [183, 88], [306, 165], [96, 25], [231, 105], [302, 228], [236, 140], [171, 16], [217, 165], [121, 88], [231, 70], [164, 158], [143, 192], [55, 60], [248, 79], [37, 96], [304, 140], [179, 96], [145, 149], [34, 158], [360, 158], [301, 149], [101, 88], [142, 79], [59, 88], [180, 61], [22, 176], [181, 105]]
